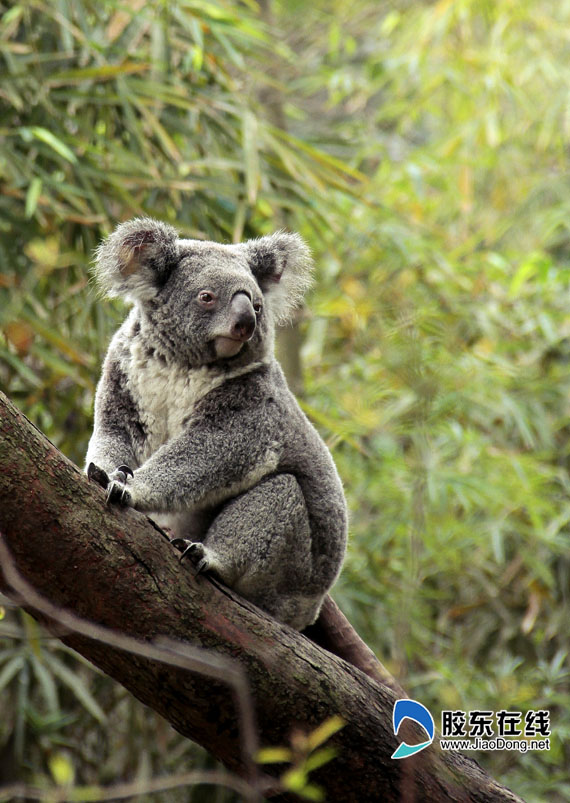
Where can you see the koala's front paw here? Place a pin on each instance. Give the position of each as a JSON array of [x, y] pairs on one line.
[[117, 494], [195, 550], [115, 485], [97, 475], [121, 473]]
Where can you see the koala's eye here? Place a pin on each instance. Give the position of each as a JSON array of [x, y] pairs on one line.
[[206, 298], [257, 307]]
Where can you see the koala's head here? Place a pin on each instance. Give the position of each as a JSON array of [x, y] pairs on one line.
[[203, 302]]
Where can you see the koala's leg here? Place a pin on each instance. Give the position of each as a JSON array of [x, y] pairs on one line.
[[260, 545]]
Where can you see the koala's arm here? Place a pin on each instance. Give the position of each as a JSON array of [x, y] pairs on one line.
[[116, 421], [208, 463]]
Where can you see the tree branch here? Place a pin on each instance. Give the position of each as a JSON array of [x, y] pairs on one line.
[[115, 568]]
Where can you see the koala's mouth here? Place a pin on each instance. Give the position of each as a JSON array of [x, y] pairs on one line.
[[227, 346]]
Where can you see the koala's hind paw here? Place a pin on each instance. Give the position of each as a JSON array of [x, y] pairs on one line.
[[195, 550]]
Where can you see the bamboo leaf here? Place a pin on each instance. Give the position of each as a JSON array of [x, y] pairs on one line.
[[105, 72], [50, 139], [32, 197], [47, 683], [76, 686], [251, 158], [10, 670]]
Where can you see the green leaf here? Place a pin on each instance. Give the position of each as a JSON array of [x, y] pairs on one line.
[[319, 758], [61, 769], [250, 135], [32, 197], [50, 139], [105, 72], [76, 686], [294, 780], [328, 728], [19, 366], [47, 684], [273, 755], [10, 670], [312, 792]]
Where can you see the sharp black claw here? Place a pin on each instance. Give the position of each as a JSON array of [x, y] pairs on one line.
[[126, 471], [182, 545], [117, 493], [188, 550], [110, 493], [97, 475], [194, 550]]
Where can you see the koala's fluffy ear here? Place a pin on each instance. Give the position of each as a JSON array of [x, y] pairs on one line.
[[136, 259], [282, 266]]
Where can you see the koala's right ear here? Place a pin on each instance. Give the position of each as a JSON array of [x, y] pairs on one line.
[[136, 259]]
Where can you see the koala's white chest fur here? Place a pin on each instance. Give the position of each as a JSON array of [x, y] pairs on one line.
[[166, 394]]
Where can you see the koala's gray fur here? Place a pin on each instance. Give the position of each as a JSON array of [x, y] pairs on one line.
[[192, 399]]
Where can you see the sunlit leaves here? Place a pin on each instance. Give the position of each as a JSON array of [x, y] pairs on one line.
[[425, 158], [114, 110], [445, 383]]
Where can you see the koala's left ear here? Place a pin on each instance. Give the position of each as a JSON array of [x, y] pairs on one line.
[[282, 266], [136, 260]]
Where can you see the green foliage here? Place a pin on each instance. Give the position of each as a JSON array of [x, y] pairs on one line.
[[438, 355], [421, 149], [33, 680], [305, 755], [107, 112]]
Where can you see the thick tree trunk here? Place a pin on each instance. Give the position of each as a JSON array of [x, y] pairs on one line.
[[113, 567]]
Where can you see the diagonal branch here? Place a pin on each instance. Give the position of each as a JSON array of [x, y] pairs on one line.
[[114, 568], [173, 653]]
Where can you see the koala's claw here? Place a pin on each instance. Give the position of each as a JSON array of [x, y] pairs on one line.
[[122, 472], [97, 475], [117, 494], [195, 550], [203, 566], [115, 485]]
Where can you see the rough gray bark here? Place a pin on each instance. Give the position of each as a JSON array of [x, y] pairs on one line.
[[112, 567]]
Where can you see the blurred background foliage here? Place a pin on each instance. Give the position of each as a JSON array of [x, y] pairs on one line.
[[421, 148]]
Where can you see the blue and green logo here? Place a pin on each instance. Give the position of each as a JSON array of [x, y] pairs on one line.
[[411, 709]]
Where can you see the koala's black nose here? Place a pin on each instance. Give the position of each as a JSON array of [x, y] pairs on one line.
[[243, 317]]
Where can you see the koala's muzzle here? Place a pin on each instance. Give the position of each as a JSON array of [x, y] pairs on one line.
[[243, 317], [241, 326]]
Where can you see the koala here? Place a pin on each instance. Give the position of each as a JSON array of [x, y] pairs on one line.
[[195, 424]]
